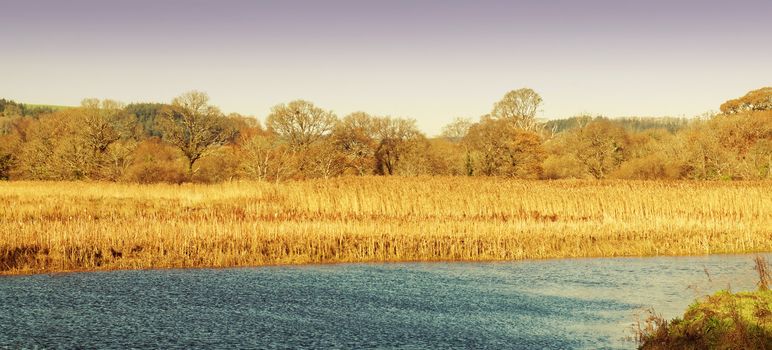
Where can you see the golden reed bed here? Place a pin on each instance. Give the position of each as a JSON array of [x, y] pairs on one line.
[[64, 226]]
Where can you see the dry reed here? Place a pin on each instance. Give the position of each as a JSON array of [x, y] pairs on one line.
[[64, 226]]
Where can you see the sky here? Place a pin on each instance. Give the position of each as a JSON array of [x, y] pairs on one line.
[[427, 60]]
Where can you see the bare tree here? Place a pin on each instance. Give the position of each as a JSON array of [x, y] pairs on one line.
[[502, 149], [105, 130], [519, 107], [90, 142], [355, 136], [457, 129], [395, 138], [300, 123], [195, 127], [47, 152], [601, 146], [375, 144], [325, 160], [267, 158]]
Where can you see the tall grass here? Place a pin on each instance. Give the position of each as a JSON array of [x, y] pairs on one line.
[[60, 226]]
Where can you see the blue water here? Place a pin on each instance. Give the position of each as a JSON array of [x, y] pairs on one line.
[[555, 304]]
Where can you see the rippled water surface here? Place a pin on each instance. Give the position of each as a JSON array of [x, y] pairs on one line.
[[576, 303]]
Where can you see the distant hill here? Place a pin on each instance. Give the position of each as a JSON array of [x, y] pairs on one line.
[[51, 107], [10, 107], [147, 112], [635, 124]]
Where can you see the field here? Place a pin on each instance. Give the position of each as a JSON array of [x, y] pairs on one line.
[[67, 226]]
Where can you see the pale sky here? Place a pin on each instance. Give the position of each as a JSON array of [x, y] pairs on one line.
[[427, 60]]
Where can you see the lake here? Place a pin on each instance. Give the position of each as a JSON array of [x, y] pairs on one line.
[[555, 304]]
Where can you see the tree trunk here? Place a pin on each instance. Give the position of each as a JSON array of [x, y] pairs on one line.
[[190, 169]]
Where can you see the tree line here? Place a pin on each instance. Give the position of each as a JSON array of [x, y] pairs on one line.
[[190, 140]]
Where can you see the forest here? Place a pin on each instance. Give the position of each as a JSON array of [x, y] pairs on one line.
[[191, 140]]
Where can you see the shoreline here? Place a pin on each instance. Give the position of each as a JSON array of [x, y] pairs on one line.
[[4, 274]]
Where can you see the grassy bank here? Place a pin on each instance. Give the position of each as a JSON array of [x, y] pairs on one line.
[[60, 226], [722, 321]]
